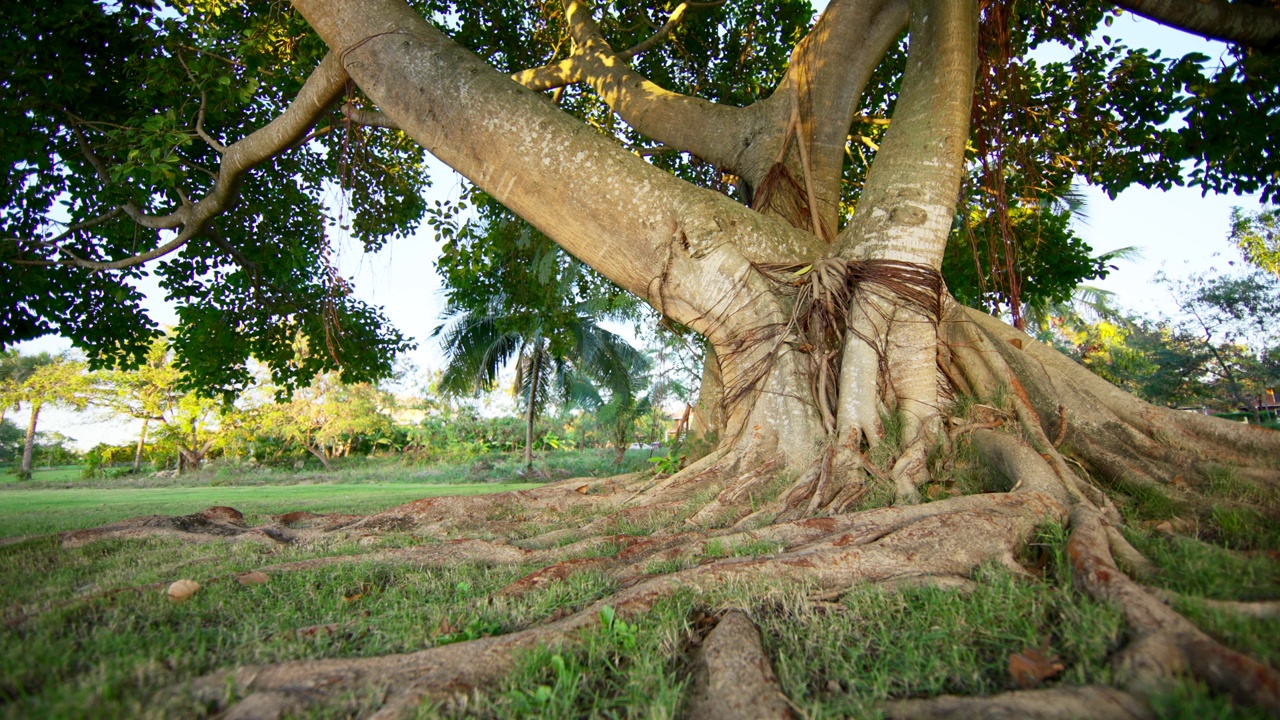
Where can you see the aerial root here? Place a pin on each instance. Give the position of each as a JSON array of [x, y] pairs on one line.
[[1167, 644], [1062, 703], [732, 677]]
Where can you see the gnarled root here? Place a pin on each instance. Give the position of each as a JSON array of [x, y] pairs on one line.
[[1065, 703], [897, 546], [732, 677], [1167, 643]]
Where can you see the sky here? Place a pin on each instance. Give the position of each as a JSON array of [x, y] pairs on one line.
[[1178, 232]]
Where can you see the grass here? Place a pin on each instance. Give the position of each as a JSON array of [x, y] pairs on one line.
[[28, 512], [58, 474], [97, 653], [116, 656], [494, 467], [834, 660], [1196, 569]]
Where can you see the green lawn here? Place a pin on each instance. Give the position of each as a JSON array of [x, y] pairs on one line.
[[35, 511]]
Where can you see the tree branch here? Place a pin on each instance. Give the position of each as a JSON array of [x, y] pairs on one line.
[[708, 130], [1237, 23], [322, 87], [686, 249], [828, 71]]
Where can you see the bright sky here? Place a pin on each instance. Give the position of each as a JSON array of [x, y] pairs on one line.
[[1178, 231]]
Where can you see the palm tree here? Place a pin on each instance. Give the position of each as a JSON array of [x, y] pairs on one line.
[[570, 363]]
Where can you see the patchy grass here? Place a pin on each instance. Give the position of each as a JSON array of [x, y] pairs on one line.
[[1244, 528], [618, 669], [1195, 570], [878, 644], [834, 660], [1140, 501], [1189, 700], [1224, 482], [71, 647], [33, 511], [1192, 567], [115, 655]]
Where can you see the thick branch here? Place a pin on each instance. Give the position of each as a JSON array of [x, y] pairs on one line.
[[323, 86], [828, 71], [650, 232], [910, 195], [716, 133], [1238, 22]]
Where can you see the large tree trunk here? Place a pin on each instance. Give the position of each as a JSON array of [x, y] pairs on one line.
[[29, 444]]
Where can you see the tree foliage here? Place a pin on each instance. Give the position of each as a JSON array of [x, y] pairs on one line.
[[118, 115], [1221, 349], [1258, 237], [326, 419]]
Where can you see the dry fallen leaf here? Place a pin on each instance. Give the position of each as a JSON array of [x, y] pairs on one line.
[[1032, 666], [584, 489], [1016, 342], [183, 589], [253, 578], [364, 590]]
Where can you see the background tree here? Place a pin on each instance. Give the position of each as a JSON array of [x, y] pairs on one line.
[[538, 308], [1258, 237], [143, 393], [39, 380], [327, 418]]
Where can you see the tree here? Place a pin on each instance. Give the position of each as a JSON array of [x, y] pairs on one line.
[[537, 306], [39, 380], [815, 277], [1258, 237], [564, 362], [326, 419], [626, 404], [143, 393], [1230, 319]]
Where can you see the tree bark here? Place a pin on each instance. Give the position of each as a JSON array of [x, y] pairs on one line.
[[142, 441], [535, 368], [28, 446], [320, 455]]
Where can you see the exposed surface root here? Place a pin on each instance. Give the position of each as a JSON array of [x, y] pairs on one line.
[[438, 517], [209, 524], [1113, 433], [1167, 644], [895, 546], [732, 677], [748, 519], [1256, 610], [1064, 703]]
